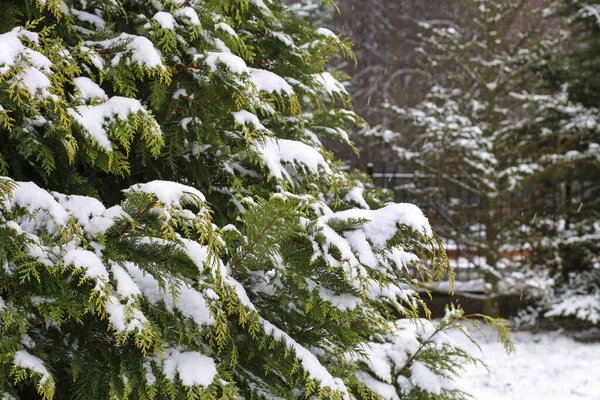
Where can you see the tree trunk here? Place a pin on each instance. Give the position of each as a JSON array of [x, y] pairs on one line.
[[492, 257], [491, 306]]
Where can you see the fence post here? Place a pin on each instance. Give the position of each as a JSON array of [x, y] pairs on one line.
[[393, 180], [370, 169]]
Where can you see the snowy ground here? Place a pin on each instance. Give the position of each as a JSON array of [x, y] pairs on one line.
[[546, 366]]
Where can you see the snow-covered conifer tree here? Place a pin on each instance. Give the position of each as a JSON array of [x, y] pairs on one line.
[[464, 135], [172, 226], [564, 126]]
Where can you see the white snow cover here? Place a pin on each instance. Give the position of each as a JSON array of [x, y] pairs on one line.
[[122, 282], [190, 302], [55, 209], [197, 252], [355, 248], [83, 208], [27, 361], [589, 10], [139, 50], [90, 213], [270, 82], [226, 28], [36, 66], [383, 222], [88, 261], [124, 318], [33, 198], [244, 117], [326, 32], [164, 19], [284, 38], [261, 5], [342, 302], [185, 122], [126, 287], [546, 366], [10, 48], [193, 368], [329, 84], [149, 376], [96, 118], [88, 89], [309, 362], [381, 388], [95, 20], [182, 93], [423, 377], [35, 81], [188, 13], [52, 210], [276, 153], [356, 195], [386, 358], [168, 192], [584, 307], [234, 63]]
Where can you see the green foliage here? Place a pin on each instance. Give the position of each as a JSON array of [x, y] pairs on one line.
[[470, 134], [171, 224], [565, 127], [577, 64], [409, 353]]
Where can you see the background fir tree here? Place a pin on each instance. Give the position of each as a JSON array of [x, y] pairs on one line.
[[384, 34], [465, 135], [172, 226], [564, 128]]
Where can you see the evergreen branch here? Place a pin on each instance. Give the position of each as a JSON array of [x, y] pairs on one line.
[[189, 67], [4, 284], [103, 52], [137, 217], [201, 104], [429, 340], [101, 342], [255, 243]]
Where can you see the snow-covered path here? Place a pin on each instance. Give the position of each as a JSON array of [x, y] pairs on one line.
[[546, 366]]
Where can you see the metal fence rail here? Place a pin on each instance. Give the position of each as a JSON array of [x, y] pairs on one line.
[[517, 205]]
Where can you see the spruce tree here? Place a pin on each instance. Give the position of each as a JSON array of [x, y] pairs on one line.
[[465, 135], [172, 226], [564, 125]]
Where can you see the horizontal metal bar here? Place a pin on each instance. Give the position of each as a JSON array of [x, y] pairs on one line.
[[397, 175]]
